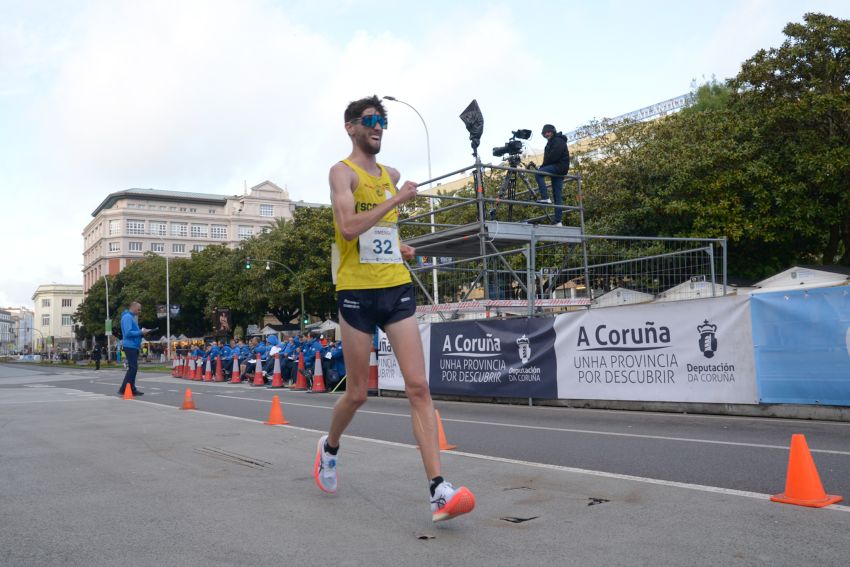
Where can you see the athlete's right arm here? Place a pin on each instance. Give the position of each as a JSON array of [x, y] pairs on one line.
[[343, 181]]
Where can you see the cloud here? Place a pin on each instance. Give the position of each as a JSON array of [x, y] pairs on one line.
[[210, 95]]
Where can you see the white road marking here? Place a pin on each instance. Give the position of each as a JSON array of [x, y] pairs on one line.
[[562, 429], [602, 474]]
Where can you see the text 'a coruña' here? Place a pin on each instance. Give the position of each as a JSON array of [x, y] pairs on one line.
[[476, 345], [646, 337]]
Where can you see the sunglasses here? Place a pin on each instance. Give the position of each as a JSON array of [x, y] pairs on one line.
[[371, 120]]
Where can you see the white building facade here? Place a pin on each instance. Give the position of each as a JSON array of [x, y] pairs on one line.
[[22, 322], [6, 343], [53, 323], [127, 224]]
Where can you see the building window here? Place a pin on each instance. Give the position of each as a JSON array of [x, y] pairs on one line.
[[158, 228], [131, 205], [198, 247], [178, 248], [179, 229], [193, 210], [182, 209], [45, 320], [246, 232], [157, 247], [45, 303], [163, 208], [218, 231], [114, 227], [172, 208], [66, 321], [67, 302], [151, 206], [266, 210], [115, 247], [200, 231], [135, 247], [212, 211], [135, 227]]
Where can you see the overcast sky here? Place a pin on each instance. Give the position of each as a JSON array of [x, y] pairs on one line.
[[207, 95]]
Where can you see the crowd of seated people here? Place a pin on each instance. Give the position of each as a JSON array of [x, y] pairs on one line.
[[288, 350]]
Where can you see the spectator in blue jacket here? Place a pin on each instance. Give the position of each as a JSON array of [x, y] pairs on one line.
[[338, 362], [273, 347], [290, 358], [132, 340], [310, 348]]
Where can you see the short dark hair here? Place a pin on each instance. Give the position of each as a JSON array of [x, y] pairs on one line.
[[355, 109]]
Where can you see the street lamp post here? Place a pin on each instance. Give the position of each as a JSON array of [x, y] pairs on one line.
[[300, 289], [436, 294]]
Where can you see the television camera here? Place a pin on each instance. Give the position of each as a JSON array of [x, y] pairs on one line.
[[513, 147]]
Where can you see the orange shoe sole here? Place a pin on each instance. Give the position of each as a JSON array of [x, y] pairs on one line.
[[462, 502]]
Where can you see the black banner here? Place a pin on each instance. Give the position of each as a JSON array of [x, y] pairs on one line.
[[507, 358]]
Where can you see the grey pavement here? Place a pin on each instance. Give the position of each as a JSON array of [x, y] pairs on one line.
[[90, 479]]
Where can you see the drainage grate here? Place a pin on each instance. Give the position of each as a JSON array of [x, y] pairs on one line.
[[595, 501], [518, 520], [235, 458], [518, 488]]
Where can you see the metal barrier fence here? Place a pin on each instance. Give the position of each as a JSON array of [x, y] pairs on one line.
[[490, 250]]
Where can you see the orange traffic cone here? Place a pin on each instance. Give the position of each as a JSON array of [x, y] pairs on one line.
[[802, 485], [277, 377], [301, 380], [258, 373], [318, 377], [444, 444], [373, 373], [189, 369], [219, 375], [208, 371], [276, 414], [199, 369], [128, 393], [184, 366], [188, 402], [235, 376], [174, 368]]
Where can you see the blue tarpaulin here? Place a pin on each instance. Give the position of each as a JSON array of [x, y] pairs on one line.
[[802, 346]]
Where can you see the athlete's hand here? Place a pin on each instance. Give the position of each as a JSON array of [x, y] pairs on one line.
[[407, 252], [406, 192]]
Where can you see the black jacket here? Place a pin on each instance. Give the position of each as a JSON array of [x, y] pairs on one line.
[[557, 153]]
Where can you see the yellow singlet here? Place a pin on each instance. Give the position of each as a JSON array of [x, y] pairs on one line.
[[355, 271]]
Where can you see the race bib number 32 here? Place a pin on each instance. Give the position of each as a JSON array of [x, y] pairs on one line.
[[380, 245]]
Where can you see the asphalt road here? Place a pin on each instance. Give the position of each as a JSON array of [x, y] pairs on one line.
[[747, 454], [92, 480]]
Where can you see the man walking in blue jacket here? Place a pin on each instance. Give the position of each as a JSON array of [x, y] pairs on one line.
[[132, 339]]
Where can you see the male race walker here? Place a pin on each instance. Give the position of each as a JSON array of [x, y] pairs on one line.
[[374, 289]]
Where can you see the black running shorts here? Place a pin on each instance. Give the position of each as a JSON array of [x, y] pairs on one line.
[[364, 309]]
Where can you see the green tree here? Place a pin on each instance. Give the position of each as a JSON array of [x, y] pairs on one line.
[[799, 94], [302, 244], [763, 160]]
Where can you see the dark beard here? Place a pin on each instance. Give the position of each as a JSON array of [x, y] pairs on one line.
[[367, 148]]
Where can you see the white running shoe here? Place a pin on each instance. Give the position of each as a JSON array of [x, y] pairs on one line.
[[324, 471], [544, 201], [449, 502]]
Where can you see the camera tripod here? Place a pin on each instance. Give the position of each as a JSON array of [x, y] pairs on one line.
[[508, 187]]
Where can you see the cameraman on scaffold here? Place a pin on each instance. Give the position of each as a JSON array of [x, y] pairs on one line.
[[556, 160]]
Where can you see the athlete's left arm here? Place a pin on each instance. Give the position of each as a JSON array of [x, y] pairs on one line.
[[407, 252]]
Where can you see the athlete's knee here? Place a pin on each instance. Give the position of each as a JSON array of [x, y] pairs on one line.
[[418, 391], [356, 396]]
